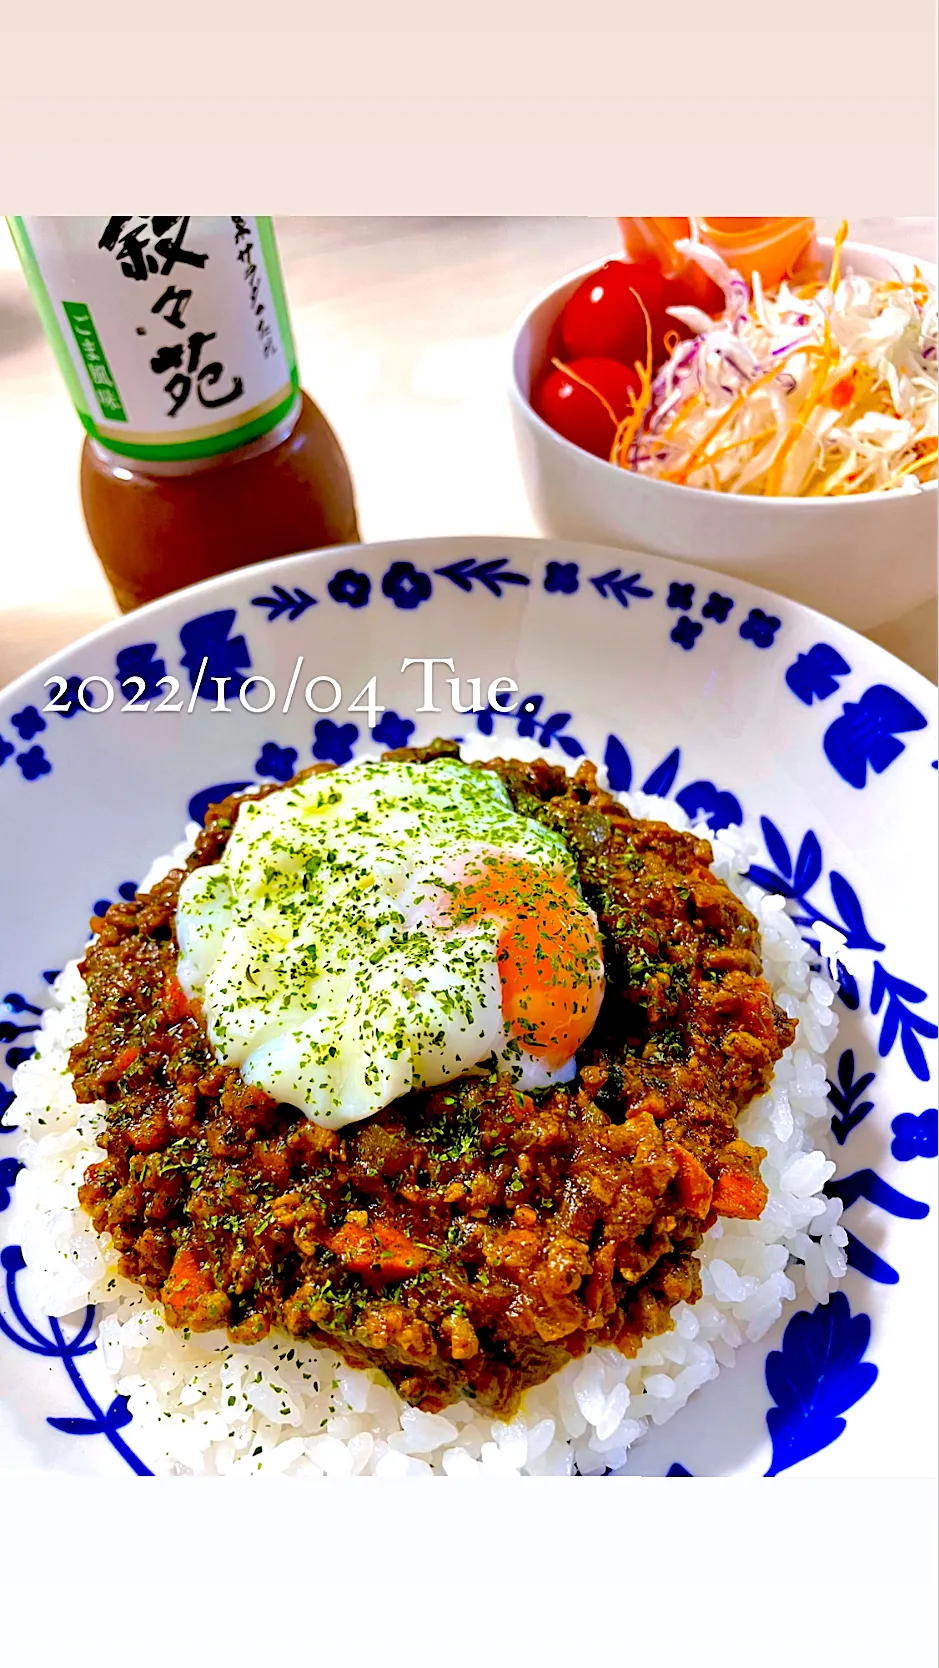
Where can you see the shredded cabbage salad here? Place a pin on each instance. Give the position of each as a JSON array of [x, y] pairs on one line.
[[819, 390]]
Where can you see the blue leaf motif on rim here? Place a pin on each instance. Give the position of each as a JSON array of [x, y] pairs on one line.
[[207, 641], [719, 808], [915, 1137], [795, 880], [97, 1421], [140, 660], [7, 750], [18, 1004], [808, 865], [662, 778], [618, 765], [621, 586], [866, 1184], [814, 1379], [848, 991], [284, 602], [11, 1033], [777, 847], [814, 675], [900, 1020], [526, 714], [867, 731], [848, 906], [845, 1097], [493, 574]]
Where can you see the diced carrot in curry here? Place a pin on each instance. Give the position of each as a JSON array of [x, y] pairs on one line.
[[693, 1184], [378, 1250], [187, 1280], [738, 1195], [175, 1002]]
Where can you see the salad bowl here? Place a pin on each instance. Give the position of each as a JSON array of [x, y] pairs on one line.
[[866, 560]]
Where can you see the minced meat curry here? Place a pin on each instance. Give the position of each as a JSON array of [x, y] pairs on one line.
[[467, 1240]]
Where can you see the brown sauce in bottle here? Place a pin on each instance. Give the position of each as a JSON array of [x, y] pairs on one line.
[[155, 533]]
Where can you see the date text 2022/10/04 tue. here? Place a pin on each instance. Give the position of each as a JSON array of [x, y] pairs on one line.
[[321, 693]]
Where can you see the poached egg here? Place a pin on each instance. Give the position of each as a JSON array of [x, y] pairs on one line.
[[389, 926]]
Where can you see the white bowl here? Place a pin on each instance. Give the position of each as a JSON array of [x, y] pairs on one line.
[[864, 560]]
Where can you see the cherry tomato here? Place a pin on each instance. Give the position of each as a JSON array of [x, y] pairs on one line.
[[603, 319], [578, 414]]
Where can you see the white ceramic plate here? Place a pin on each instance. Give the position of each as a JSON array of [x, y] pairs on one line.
[[687, 682]]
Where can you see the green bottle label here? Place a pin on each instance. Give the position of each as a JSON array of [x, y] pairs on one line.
[[172, 331]]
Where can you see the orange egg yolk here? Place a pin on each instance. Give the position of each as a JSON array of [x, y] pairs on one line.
[[550, 955]]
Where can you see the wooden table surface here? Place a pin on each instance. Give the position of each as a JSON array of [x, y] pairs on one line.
[[402, 327]]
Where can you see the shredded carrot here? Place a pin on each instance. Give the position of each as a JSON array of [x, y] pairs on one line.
[[830, 357], [918, 463], [736, 404], [834, 275], [746, 440], [800, 420], [627, 430], [679, 418]]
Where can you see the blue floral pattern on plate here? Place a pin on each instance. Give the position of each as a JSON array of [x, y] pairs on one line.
[[814, 1379], [915, 1137]]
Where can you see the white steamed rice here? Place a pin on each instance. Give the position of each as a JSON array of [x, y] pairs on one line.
[[204, 1405]]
